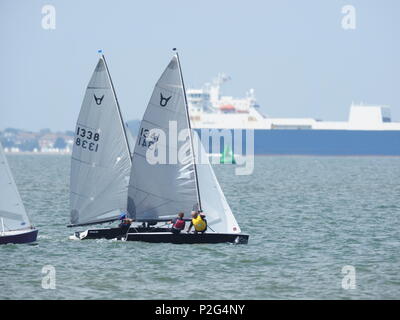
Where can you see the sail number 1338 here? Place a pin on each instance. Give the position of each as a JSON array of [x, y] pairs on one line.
[[86, 139]]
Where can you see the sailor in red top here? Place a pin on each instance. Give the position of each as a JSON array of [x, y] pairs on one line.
[[178, 224]]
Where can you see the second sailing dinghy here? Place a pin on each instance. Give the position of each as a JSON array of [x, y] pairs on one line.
[[101, 160], [15, 226], [158, 191]]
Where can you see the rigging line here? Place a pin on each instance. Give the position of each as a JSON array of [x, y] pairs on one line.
[[144, 199], [127, 231], [210, 228]]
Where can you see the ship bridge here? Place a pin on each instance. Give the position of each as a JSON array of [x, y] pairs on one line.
[[209, 109]]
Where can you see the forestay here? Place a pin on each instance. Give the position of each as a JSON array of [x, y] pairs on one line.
[[12, 211], [101, 161], [160, 191]]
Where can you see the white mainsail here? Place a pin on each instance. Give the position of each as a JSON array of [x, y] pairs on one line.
[[160, 191], [101, 160], [12, 211]]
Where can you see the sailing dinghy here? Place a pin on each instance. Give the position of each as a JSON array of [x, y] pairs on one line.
[[157, 192], [101, 159], [15, 226]]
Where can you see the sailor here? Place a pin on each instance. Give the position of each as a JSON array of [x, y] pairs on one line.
[[178, 224], [198, 222], [125, 221]]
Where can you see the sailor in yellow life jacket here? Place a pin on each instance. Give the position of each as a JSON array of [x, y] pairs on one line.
[[198, 222]]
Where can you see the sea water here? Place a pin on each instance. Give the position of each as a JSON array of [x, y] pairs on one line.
[[310, 220]]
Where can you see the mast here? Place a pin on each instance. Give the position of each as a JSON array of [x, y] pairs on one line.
[[118, 107], [190, 131]]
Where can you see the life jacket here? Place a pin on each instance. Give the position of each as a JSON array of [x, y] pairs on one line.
[[179, 224], [125, 222], [199, 224]]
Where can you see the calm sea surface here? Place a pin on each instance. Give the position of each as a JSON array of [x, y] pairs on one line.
[[307, 217]]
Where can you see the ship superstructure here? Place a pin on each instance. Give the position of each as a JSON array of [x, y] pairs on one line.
[[368, 131]]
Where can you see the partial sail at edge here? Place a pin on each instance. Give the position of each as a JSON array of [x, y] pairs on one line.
[[12, 211], [101, 160]]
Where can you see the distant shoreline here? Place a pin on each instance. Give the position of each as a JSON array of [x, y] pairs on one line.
[[38, 153]]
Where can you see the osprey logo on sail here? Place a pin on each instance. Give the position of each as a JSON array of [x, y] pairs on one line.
[[98, 100], [163, 100]]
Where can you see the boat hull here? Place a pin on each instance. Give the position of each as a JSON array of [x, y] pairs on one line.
[[103, 233], [24, 237], [189, 238], [159, 235]]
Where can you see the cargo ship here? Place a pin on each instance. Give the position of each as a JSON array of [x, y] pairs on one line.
[[368, 131]]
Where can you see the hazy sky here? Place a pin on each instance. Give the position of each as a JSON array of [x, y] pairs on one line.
[[295, 54]]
